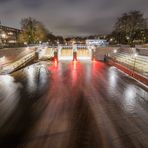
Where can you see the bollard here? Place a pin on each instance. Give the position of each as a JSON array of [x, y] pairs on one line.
[[74, 56], [55, 56]]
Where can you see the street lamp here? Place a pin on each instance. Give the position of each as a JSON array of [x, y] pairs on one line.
[[57, 41], [3, 35], [115, 51], [25, 43], [135, 56], [114, 54], [111, 39], [127, 37]]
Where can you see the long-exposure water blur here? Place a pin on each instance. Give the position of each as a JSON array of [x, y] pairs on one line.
[[73, 73], [72, 105]]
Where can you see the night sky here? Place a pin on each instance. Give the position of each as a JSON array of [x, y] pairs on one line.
[[70, 17]]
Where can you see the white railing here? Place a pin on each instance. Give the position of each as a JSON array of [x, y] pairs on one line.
[[137, 64], [15, 65]]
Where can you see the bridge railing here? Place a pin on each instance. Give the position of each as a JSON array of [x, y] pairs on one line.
[[137, 64], [17, 64]]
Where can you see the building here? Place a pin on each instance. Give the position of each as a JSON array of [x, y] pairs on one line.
[[96, 42], [8, 35]]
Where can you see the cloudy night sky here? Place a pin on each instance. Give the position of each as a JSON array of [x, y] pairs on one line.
[[70, 17]]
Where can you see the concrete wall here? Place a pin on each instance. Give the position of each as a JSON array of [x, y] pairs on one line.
[[13, 54], [142, 51], [101, 51]]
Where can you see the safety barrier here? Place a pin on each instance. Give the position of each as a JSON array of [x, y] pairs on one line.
[[137, 64], [17, 64], [130, 72]]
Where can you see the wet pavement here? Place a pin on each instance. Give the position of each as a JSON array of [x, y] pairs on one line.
[[72, 105]]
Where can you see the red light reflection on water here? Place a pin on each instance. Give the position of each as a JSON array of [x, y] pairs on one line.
[[74, 65], [75, 69], [94, 60], [97, 66], [55, 63]]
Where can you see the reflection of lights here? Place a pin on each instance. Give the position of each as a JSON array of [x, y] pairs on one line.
[[42, 52], [27, 48], [84, 58], [30, 74], [93, 47], [6, 79], [112, 80], [74, 60], [9, 97], [74, 72], [129, 98], [88, 72], [74, 77], [55, 62], [94, 60], [43, 77], [74, 64], [112, 77], [94, 68], [2, 59]]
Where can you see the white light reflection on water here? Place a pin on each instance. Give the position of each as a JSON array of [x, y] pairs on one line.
[[112, 81], [31, 78], [9, 96], [129, 101], [43, 76]]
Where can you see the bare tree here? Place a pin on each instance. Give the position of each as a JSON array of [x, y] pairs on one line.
[[130, 27], [33, 31]]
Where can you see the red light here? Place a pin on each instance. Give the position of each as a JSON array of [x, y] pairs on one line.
[[74, 60], [75, 65], [55, 62], [94, 60]]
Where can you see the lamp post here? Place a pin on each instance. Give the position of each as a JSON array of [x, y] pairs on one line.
[[114, 53], [135, 55], [93, 48], [58, 42]]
